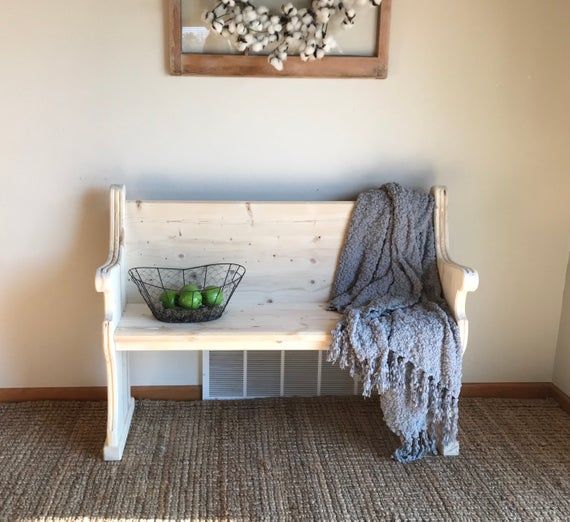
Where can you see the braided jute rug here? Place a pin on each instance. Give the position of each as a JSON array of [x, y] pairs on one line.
[[280, 459]]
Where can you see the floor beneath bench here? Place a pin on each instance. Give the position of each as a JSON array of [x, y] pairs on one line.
[[289, 326], [301, 459]]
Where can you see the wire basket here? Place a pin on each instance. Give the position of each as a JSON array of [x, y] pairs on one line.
[[214, 286]]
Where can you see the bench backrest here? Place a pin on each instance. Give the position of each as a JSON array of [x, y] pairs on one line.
[[290, 249]]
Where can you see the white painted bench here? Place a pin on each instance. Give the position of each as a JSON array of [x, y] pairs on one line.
[[290, 250]]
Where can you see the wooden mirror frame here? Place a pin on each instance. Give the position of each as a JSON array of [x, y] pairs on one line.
[[183, 64]]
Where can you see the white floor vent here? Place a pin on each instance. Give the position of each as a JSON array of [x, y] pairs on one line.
[[249, 374]]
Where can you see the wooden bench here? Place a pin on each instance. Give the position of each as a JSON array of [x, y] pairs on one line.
[[290, 250]]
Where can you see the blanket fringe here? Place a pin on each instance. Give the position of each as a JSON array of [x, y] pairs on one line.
[[389, 371]]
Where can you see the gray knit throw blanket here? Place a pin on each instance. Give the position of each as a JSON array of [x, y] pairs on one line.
[[397, 335]]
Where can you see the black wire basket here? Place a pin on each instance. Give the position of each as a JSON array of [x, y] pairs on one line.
[[188, 295]]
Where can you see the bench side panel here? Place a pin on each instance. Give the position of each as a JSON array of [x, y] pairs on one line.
[[290, 249]]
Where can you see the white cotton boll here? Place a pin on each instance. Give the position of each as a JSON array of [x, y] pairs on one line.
[[329, 40], [278, 28], [277, 63], [323, 15], [287, 8], [249, 38], [262, 10], [232, 27], [271, 29], [307, 19], [289, 27], [351, 13], [376, 3], [207, 16], [272, 38], [217, 26], [297, 35], [256, 47], [241, 46], [282, 56], [265, 41], [275, 20], [303, 57], [239, 18], [225, 33], [249, 16], [320, 54], [240, 29], [329, 43]]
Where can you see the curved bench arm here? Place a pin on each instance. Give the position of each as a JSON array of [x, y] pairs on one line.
[[110, 277], [456, 280]]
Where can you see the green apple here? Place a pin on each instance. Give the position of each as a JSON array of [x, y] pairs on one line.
[[191, 300], [168, 298], [191, 287], [212, 296]]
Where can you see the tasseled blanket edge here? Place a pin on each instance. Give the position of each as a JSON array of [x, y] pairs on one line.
[[390, 371]]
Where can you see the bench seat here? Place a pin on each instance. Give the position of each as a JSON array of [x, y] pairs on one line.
[[282, 326]]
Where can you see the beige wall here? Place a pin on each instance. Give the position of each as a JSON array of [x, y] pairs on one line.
[[476, 99], [562, 359]]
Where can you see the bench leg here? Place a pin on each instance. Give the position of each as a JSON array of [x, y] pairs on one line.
[[451, 449], [120, 404]]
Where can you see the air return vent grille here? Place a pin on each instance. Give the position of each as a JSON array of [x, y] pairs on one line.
[[249, 374]]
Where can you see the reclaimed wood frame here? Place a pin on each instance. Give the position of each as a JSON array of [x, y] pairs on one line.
[[186, 64]]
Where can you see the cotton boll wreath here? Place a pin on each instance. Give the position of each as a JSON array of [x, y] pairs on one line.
[[303, 31]]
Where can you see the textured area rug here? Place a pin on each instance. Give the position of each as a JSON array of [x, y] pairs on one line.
[[280, 459]]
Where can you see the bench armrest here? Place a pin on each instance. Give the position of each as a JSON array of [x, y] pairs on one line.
[[104, 273], [110, 277], [456, 280]]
